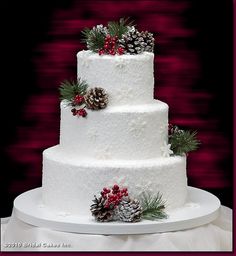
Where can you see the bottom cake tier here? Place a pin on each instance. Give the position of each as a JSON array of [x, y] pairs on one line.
[[69, 183]]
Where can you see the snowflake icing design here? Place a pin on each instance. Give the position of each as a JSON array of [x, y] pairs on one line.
[[85, 62], [137, 126], [63, 214], [119, 180], [124, 94], [163, 129], [92, 134], [120, 63], [165, 149], [104, 153], [144, 188]]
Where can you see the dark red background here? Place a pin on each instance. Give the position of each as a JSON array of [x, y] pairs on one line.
[[193, 73]]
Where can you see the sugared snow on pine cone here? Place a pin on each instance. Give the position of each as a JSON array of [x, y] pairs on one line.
[[99, 211], [129, 210], [148, 41], [135, 42], [96, 98]]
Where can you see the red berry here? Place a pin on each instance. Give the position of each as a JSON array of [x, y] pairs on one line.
[[120, 50], [74, 111], [82, 112], [115, 186], [106, 190], [124, 190], [78, 100], [101, 51]]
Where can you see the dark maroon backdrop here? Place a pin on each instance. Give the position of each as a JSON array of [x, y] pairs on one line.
[[193, 73]]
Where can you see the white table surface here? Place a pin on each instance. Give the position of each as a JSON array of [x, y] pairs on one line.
[[216, 236]]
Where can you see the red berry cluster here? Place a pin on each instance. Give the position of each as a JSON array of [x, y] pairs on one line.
[[113, 196], [78, 100], [110, 46], [79, 112]]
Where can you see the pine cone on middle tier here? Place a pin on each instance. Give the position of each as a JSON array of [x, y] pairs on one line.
[[129, 210], [96, 98]]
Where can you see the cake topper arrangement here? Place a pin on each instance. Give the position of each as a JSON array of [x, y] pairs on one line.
[[115, 204], [117, 38]]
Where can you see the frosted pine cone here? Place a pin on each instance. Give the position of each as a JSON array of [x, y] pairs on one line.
[[129, 210], [96, 98], [131, 42], [99, 211], [148, 41], [135, 42]]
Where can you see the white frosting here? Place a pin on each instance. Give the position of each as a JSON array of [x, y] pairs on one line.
[[122, 132], [69, 184], [126, 143], [128, 79]]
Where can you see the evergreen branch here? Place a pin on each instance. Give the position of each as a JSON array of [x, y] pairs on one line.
[[85, 33], [94, 39], [70, 88], [183, 141], [119, 28], [153, 207]]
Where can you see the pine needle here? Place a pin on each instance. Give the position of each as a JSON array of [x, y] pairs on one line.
[[183, 142], [153, 206], [94, 39], [118, 28], [70, 88]]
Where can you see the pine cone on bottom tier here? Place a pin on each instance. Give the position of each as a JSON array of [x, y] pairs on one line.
[[96, 98], [129, 210], [99, 211]]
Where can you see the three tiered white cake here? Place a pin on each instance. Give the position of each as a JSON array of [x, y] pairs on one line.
[[125, 143]]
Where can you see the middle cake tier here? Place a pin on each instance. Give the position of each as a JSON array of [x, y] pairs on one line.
[[122, 132]]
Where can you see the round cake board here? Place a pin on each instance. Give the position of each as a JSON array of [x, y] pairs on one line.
[[201, 208]]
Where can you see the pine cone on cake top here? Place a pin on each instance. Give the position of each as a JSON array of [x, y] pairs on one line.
[[96, 98], [148, 41], [100, 211], [135, 42], [129, 210]]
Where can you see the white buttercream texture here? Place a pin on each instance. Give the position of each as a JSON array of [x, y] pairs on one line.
[[126, 143], [120, 71], [69, 183]]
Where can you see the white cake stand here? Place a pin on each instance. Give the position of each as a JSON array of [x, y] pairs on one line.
[[201, 208]]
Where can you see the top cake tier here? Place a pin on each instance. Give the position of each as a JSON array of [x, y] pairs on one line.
[[128, 79]]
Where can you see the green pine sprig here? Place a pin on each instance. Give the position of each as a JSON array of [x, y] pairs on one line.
[[94, 39], [70, 88], [183, 142], [119, 28], [153, 206]]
